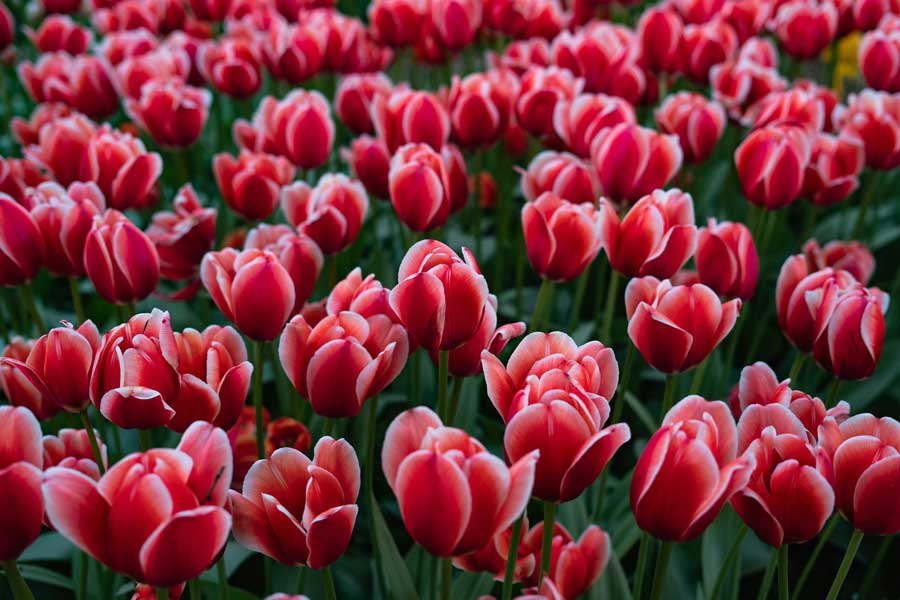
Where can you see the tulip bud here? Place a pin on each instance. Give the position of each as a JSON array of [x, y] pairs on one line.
[[851, 333], [71, 449], [698, 123], [20, 481], [183, 236], [354, 98], [577, 122], [397, 23], [561, 238], [704, 46], [251, 185], [419, 187], [410, 117], [370, 160], [172, 113], [232, 66], [456, 22], [739, 85], [726, 259], [162, 65], [771, 163], [7, 27], [298, 253], [285, 432], [632, 161], [22, 252], [120, 260], [481, 106], [541, 90], [83, 82], [60, 34], [874, 118], [659, 31], [331, 213], [293, 53], [590, 553], [853, 257], [832, 174], [563, 174], [805, 27], [879, 57], [748, 18]]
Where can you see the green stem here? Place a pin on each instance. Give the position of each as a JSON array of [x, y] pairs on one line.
[[668, 396], [83, 576], [331, 266], [258, 354], [662, 565], [768, 576], [454, 399], [162, 593], [820, 545], [833, 393], [547, 539], [77, 303], [511, 557], [783, 583], [729, 558], [369, 474], [874, 184], [542, 306], [699, 373], [446, 577], [609, 308], [578, 297], [145, 439], [637, 586], [443, 368], [301, 579], [194, 586], [17, 584], [476, 225], [92, 438], [28, 300], [414, 379], [874, 568], [797, 366], [855, 541], [222, 576], [328, 584]]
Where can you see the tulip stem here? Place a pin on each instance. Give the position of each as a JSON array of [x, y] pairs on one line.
[[799, 361], [852, 547], [194, 586], [92, 438], [257, 397], [77, 304], [662, 565], [783, 583], [833, 393], [768, 576], [478, 159], [637, 586], [145, 439], [331, 265], [446, 577], [511, 557], [699, 373], [729, 559], [162, 593], [820, 545], [578, 297], [223, 578], [443, 370], [82, 575], [542, 306], [454, 399], [547, 539], [668, 396], [17, 584], [369, 482], [28, 300], [609, 308], [328, 584], [874, 183]]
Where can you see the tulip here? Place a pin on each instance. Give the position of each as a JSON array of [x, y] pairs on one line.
[[656, 237], [21, 461], [853, 257], [541, 90], [410, 117], [440, 298], [172, 113], [578, 121], [676, 327], [365, 297], [72, 449], [142, 591], [83, 82], [60, 34], [659, 31], [183, 236], [419, 187], [342, 361], [298, 253], [120, 260], [160, 66], [285, 432], [563, 174], [22, 252], [297, 511], [456, 22], [698, 123], [354, 98], [331, 213], [738, 85], [457, 179], [688, 471], [561, 238], [851, 333], [805, 27], [492, 557], [762, 52], [27, 131], [748, 18], [370, 161], [874, 118], [574, 565], [251, 185], [832, 173], [726, 259], [293, 53], [521, 55], [156, 516], [481, 106], [771, 163], [232, 66], [879, 57], [553, 396], [251, 288], [705, 46], [397, 23], [349, 46], [632, 161], [792, 107]]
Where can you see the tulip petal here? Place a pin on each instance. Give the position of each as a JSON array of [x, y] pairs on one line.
[[251, 526], [77, 510], [135, 407], [329, 535], [403, 437], [592, 459], [662, 343], [21, 508], [521, 482], [877, 497], [184, 546]]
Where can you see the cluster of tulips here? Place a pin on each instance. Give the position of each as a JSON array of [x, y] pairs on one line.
[[249, 345]]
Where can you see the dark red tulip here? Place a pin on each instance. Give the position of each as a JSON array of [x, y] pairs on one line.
[[659, 32], [172, 113], [563, 174], [83, 82], [251, 185], [561, 238], [354, 98], [874, 118], [410, 117], [21, 243], [330, 213], [578, 121], [370, 160], [285, 432], [182, 236], [298, 253], [698, 123], [60, 33], [20, 480], [726, 259], [419, 186], [632, 161], [120, 260], [771, 164]]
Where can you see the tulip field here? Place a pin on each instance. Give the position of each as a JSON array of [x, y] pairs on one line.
[[449, 299]]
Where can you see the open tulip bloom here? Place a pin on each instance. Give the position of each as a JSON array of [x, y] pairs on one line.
[[449, 299]]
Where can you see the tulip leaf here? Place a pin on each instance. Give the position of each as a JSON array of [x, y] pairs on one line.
[[210, 590], [613, 583], [396, 574], [46, 576], [50, 546], [468, 586], [861, 395]]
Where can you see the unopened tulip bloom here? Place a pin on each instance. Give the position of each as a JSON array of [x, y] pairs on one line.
[[285, 432], [410, 117], [805, 27], [832, 173], [656, 237], [562, 173], [771, 164], [574, 564], [297, 511], [397, 23], [456, 22], [363, 296], [738, 85], [61, 33], [251, 185], [748, 18], [330, 213], [659, 32], [541, 90], [632, 161], [7, 27], [298, 253], [578, 121], [71, 448], [874, 118], [704, 46], [354, 97], [676, 327], [120, 260], [83, 82], [688, 471], [370, 161], [252, 288], [726, 259], [342, 361], [438, 470], [457, 178], [182, 236], [419, 187], [440, 298], [879, 56], [553, 396], [21, 460], [160, 66], [796, 106], [291, 52], [156, 516], [232, 66], [26, 131], [853, 257], [561, 238], [698, 123], [481, 106], [851, 333], [22, 251], [172, 113]]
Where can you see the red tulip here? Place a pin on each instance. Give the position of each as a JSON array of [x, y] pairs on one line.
[[698, 123], [771, 163], [481, 106], [563, 174], [27, 131], [787, 500], [748, 18], [632, 161], [161, 66], [688, 471], [457, 178], [832, 173], [704, 46], [879, 56], [578, 121], [491, 557], [860, 457], [298, 511], [232, 66], [210, 10], [410, 117], [20, 480], [437, 470], [21, 244], [285, 432], [349, 46], [120, 260], [60, 33], [541, 90], [761, 51], [71, 449], [850, 332], [354, 98], [553, 397], [36, 383], [298, 127], [156, 516], [659, 31], [298, 253], [521, 55], [142, 591], [397, 23], [183, 236], [739, 85], [805, 27], [574, 565], [676, 328], [370, 161], [853, 257], [440, 298], [419, 187], [791, 107], [293, 53], [726, 259], [561, 238], [251, 288], [456, 22], [83, 82], [656, 237], [365, 297], [172, 113], [342, 361], [251, 185], [874, 118], [331, 213], [698, 11]]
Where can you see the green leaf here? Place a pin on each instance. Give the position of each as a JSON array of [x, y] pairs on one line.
[[211, 590], [49, 547], [468, 586], [46, 576], [613, 583], [396, 574], [862, 394], [642, 413]]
